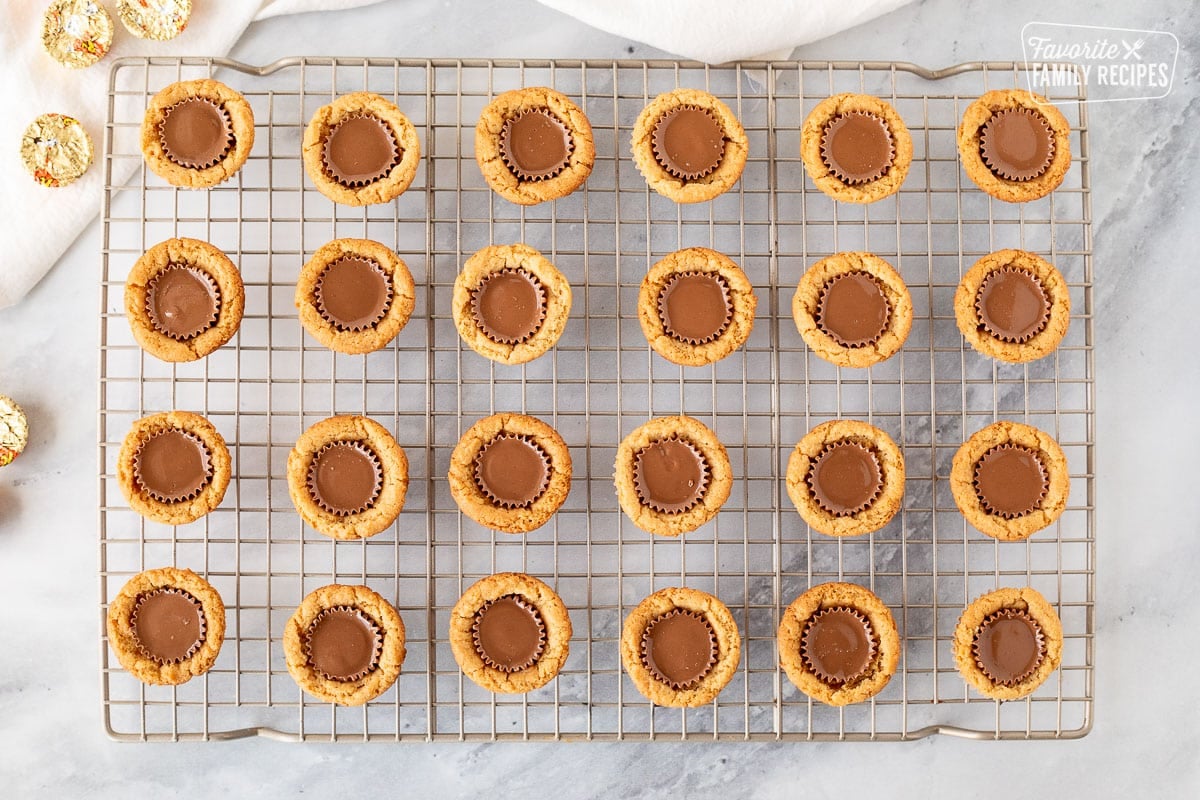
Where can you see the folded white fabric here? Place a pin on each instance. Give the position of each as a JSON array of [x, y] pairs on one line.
[[37, 223], [716, 31]]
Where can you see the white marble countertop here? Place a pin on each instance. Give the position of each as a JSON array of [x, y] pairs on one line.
[[1144, 165]]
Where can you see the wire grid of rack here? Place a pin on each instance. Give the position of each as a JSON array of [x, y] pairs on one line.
[[602, 380]]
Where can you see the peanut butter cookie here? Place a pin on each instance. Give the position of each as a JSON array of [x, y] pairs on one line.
[[689, 146], [672, 475], [696, 306], [510, 633], [348, 477], [1010, 480], [1013, 305], [846, 478], [1007, 643], [166, 625], [853, 309], [360, 150], [856, 148], [355, 295], [838, 643], [173, 467], [344, 644], [197, 133], [510, 303], [1014, 145], [510, 472], [184, 299], [680, 647], [534, 145]]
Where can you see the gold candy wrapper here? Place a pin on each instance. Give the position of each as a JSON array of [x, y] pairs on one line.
[[155, 19], [77, 33], [56, 149], [14, 430]]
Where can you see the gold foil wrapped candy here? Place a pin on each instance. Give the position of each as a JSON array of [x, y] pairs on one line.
[[77, 33], [155, 19], [56, 149]]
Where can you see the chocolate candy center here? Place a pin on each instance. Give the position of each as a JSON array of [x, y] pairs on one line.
[[1012, 304], [837, 645], [1011, 481], [360, 150], [853, 309], [1017, 144], [1008, 646], [679, 648], [512, 471], [695, 307], [343, 645], [195, 133], [168, 625], [182, 302], [172, 465], [688, 142], [670, 475], [345, 478], [857, 147], [509, 306], [509, 634], [845, 478], [535, 144], [353, 293]]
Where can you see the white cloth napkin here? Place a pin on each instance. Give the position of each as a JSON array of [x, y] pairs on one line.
[[717, 31], [36, 223]]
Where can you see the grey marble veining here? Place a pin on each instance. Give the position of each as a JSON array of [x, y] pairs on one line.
[[1144, 158]]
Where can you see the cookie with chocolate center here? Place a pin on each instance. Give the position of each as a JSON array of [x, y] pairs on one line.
[[197, 134], [510, 633]]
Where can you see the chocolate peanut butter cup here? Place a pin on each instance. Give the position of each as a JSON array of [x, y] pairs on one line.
[[172, 465], [857, 147], [343, 644], [196, 133], [695, 307], [670, 475], [1017, 144], [353, 293], [853, 309], [1008, 642], [688, 142], [1014, 145], [508, 633], [359, 150], [513, 471], [1009, 646], [168, 625], [1012, 305], [838, 645], [345, 478], [679, 648], [182, 302], [1011, 481], [509, 305], [845, 478], [535, 144]]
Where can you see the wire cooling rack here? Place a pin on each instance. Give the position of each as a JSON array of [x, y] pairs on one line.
[[602, 380]]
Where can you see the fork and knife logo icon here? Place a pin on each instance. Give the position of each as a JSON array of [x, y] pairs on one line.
[[1131, 50]]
